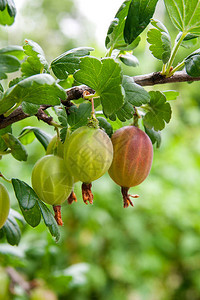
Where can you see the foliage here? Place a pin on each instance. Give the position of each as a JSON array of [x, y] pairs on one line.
[[40, 89]]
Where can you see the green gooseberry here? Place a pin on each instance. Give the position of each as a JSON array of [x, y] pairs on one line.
[[4, 204]]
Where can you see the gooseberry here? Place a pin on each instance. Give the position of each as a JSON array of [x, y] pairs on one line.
[[132, 159], [55, 146], [4, 204], [88, 155], [51, 182]]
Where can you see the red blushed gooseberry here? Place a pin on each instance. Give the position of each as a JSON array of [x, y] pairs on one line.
[[132, 159]]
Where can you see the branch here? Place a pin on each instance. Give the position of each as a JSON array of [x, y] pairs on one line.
[[76, 92], [17, 115], [157, 78]]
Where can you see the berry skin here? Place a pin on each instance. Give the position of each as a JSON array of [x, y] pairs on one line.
[[88, 154], [4, 204], [132, 159], [50, 180]]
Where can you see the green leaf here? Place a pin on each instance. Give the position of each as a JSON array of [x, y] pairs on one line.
[[129, 60], [125, 112], [36, 62], [105, 78], [154, 136], [7, 12], [139, 14], [103, 123], [78, 116], [28, 202], [68, 62], [12, 231], [41, 135], [49, 220], [24, 193], [192, 64], [184, 14], [62, 116], [159, 111], [115, 38], [38, 89], [3, 145], [170, 95], [134, 93], [18, 151], [8, 64], [160, 41], [30, 108], [13, 50]]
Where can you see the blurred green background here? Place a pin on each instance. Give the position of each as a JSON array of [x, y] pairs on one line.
[[149, 252]]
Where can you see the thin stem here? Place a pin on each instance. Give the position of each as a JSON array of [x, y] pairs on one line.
[[173, 54], [6, 179], [179, 66]]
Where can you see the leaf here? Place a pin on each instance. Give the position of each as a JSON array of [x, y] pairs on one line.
[[170, 95], [184, 14], [13, 50], [103, 123], [159, 111], [192, 64], [12, 231], [18, 151], [30, 108], [154, 136], [25, 195], [28, 202], [115, 38], [78, 116], [36, 62], [41, 135], [105, 78], [62, 116], [38, 89], [3, 145], [49, 220], [129, 60], [7, 12], [134, 93], [8, 64], [68, 62], [139, 14], [160, 41], [125, 112]]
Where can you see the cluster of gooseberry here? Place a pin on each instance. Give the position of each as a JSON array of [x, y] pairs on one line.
[[86, 155]]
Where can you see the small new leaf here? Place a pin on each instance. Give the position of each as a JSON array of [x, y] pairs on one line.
[[192, 64], [159, 111], [36, 62], [129, 60], [139, 14], [104, 76], [160, 41], [68, 62]]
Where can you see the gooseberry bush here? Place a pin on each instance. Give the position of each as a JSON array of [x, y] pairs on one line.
[[86, 98]]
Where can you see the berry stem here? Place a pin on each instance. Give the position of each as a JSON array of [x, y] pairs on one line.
[[58, 218], [87, 193], [126, 196]]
